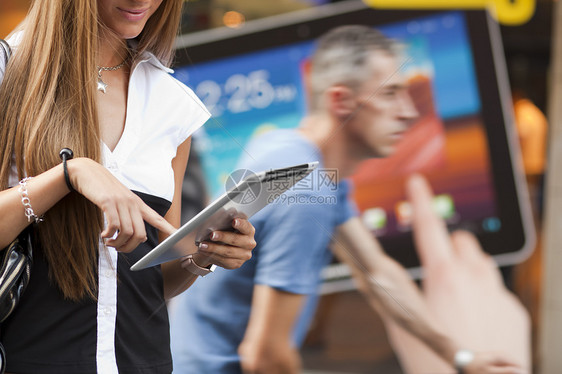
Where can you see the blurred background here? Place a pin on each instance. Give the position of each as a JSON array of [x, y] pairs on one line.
[[340, 344]]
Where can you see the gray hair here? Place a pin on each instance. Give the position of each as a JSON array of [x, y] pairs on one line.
[[341, 57]]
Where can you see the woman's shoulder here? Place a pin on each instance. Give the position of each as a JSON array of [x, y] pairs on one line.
[[156, 91], [161, 80]]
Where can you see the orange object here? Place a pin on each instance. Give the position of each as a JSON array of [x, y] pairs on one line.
[[12, 12], [532, 128]]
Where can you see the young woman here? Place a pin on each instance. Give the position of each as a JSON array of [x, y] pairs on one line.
[[91, 75]]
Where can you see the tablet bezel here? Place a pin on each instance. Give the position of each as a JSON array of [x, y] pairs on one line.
[[515, 241]]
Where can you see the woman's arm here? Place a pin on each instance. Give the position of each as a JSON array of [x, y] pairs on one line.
[[124, 211], [44, 192], [228, 249], [176, 279]]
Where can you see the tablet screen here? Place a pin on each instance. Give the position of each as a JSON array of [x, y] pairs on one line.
[[252, 81]]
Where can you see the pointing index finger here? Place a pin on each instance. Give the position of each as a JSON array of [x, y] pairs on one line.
[[431, 237], [156, 220]]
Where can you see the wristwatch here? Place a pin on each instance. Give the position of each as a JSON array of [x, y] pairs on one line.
[[190, 265], [463, 357]]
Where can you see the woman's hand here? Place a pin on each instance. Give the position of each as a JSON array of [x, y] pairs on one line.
[[124, 211], [228, 249]]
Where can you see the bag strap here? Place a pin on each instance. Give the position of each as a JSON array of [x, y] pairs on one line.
[[6, 51]]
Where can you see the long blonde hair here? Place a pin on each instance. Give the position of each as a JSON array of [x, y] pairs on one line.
[[48, 102]]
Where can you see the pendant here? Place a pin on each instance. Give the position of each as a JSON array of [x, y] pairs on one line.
[[102, 86]]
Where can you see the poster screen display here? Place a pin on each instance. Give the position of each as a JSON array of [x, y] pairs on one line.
[[253, 82]]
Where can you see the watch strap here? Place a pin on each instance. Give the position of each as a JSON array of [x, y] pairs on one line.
[[190, 265]]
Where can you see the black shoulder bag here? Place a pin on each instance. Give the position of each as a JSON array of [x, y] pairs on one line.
[[15, 260]]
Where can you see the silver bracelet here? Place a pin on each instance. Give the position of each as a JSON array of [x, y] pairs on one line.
[[29, 213]]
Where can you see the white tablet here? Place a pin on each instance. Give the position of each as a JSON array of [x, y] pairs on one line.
[[245, 198]]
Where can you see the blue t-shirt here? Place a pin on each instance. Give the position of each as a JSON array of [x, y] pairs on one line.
[[209, 320]]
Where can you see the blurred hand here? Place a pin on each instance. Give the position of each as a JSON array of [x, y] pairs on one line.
[[228, 249], [463, 288], [125, 212]]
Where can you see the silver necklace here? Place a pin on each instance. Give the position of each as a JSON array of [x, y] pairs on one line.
[[102, 86]]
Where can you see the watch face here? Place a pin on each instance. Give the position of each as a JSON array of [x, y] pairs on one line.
[[463, 357]]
